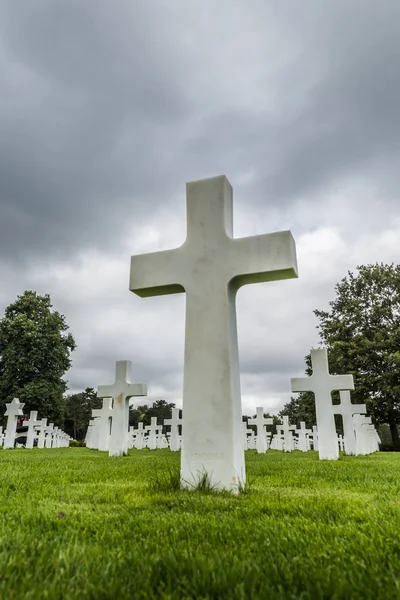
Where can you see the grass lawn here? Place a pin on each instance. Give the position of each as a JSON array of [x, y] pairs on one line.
[[76, 524]]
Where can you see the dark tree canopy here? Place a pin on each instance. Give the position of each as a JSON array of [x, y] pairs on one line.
[[79, 412], [362, 332], [35, 349]]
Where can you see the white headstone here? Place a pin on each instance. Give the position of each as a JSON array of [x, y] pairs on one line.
[[287, 431], [13, 411], [41, 428], [302, 433], [32, 425], [49, 435], [347, 409], [153, 430], [322, 384], [174, 423], [261, 422], [139, 437], [104, 423], [210, 267], [121, 390]]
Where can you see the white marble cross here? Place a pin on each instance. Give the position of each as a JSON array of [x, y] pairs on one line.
[[41, 428], [315, 437], [302, 433], [210, 267], [347, 409], [174, 422], [32, 425], [287, 431], [340, 440], [121, 390], [261, 422], [153, 430], [322, 384], [49, 435], [139, 436], [246, 431], [104, 423], [13, 411]]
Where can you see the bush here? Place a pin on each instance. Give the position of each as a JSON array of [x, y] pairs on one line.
[[77, 444]]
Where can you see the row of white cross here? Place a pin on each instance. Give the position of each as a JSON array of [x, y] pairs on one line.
[[104, 432], [360, 439], [47, 435], [109, 431]]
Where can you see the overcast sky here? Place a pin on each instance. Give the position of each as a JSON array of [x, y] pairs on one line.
[[107, 109]]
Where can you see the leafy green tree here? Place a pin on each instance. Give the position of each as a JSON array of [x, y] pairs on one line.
[[35, 349], [301, 408], [79, 412], [362, 332], [160, 409]]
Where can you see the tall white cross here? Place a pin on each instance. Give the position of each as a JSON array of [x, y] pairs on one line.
[[261, 422], [120, 391], [322, 384], [104, 424], [302, 434], [48, 443], [153, 430], [246, 431], [347, 409], [32, 425], [287, 431], [210, 267], [139, 436], [174, 422], [13, 411], [41, 428]]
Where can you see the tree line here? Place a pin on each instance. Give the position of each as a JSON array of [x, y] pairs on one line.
[[360, 329]]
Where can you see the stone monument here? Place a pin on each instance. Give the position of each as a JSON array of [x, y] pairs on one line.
[[322, 384], [261, 423], [121, 391], [210, 267]]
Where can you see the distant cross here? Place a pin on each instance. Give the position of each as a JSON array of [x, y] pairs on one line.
[[121, 391], [210, 267], [49, 435], [287, 431], [55, 434], [104, 415], [340, 439], [139, 436], [302, 433], [41, 428], [13, 411], [322, 384], [347, 409], [154, 431], [261, 422], [32, 425], [246, 431], [315, 437], [174, 422]]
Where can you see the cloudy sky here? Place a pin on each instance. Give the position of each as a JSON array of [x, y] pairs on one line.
[[107, 109]]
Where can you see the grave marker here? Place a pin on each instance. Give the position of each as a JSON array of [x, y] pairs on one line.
[[322, 384], [210, 267], [121, 391], [261, 422], [13, 411]]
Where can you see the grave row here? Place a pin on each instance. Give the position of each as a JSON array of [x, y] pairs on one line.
[[108, 429], [37, 432]]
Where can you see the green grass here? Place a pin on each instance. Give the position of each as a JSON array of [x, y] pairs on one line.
[[76, 524]]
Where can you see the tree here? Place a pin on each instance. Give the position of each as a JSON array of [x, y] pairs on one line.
[[362, 333], [35, 349], [79, 412], [299, 409], [160, 409]]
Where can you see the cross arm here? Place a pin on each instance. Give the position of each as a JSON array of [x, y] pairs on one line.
[[262, 258], [302, 384], [157, 273]]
